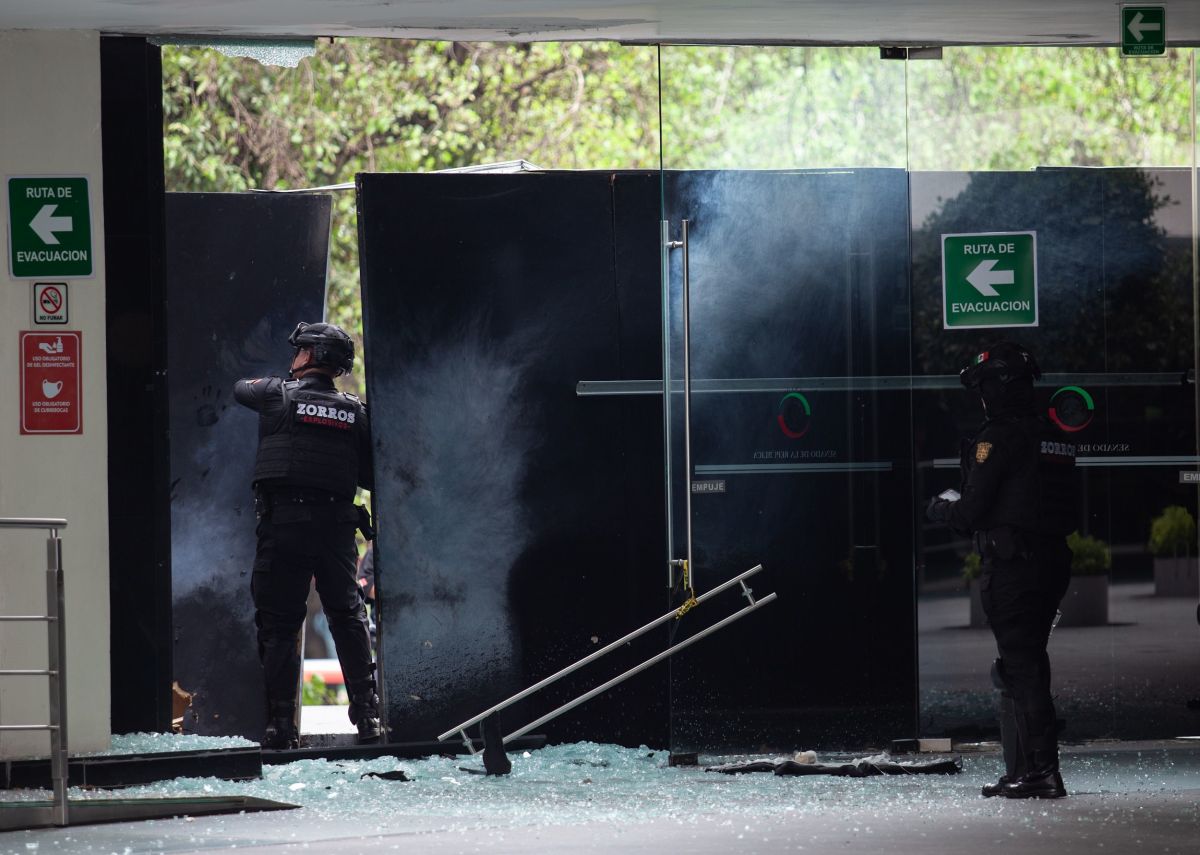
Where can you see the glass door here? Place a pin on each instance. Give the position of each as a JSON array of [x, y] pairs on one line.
[[1088, 158], [786, 322], [813, 349]]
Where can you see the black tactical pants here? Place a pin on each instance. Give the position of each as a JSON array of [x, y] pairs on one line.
[[297, 542], [1020, 598]]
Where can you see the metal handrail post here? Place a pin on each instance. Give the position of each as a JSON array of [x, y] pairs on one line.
[[56, 655], [56, 641]]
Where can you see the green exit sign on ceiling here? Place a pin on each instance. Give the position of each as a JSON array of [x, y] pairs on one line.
[[1143, 30]]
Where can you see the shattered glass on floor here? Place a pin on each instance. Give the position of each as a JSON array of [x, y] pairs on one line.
[[586, 783], [160, 743]]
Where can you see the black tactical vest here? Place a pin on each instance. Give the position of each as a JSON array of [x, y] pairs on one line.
[[1038, 492], [1058, 488], [312, 442]]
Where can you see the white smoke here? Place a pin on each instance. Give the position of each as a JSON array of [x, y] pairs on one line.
[[212, 507], [454, 439]]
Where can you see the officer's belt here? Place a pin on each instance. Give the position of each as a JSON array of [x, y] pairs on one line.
[[303, 496], [1004, 542]]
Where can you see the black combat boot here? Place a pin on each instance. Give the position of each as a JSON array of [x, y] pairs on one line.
[[996, 789], [364, 712], [1014, 758], [281, 733], [1042, 784], [1043, 780]]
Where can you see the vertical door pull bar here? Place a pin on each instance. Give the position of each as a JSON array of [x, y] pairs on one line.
[[687, 405], [667, 246]]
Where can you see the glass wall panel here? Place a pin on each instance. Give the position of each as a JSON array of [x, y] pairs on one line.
[[1086, 158], [786, 268]]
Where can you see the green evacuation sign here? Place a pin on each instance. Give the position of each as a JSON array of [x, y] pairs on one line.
[[989, 280], [1143, 30], [49, 227]]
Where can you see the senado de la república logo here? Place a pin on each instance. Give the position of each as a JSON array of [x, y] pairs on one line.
[[1072, 408], [794, 415]]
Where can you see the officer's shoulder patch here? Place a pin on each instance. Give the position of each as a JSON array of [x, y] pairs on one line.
[[982, 450], [352, 397]]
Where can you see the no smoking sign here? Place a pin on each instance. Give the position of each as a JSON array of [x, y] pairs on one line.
[[50, 303]]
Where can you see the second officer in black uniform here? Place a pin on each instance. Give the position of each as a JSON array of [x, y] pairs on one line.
[[1018, 503], [314, 451]]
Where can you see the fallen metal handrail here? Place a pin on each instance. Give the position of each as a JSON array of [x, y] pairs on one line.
[[570, 705], [461, 729], [56, 649]]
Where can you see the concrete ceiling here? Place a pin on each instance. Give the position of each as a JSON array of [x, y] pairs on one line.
[[925, 22]]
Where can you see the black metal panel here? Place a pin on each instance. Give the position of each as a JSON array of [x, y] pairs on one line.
[[514, 529], [138, 486], [41, 814], [125, 770], [800, 275], [242, 270], [507, 283]]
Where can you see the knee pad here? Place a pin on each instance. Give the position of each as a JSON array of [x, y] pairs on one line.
[[275, 626], [998, 678]]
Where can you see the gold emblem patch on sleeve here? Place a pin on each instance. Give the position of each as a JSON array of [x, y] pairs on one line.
[[982, 450]]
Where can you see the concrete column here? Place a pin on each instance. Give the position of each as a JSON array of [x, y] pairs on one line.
[[50, 104]]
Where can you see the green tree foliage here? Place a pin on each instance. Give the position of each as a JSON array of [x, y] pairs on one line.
[[1023, 107], [401, 106], [759, 107], [375, 105], [394, 105], [978, 108]]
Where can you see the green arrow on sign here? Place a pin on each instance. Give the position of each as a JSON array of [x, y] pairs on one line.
[[1143, 30], [50, 227], [989, 279]]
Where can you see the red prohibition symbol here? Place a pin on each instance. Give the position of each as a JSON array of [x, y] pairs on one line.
[[51, 300]]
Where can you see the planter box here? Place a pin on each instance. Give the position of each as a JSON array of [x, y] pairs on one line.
[[1176, 577], [1086, 602]]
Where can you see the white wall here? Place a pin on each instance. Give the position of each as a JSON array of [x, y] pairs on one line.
[[50, 104]]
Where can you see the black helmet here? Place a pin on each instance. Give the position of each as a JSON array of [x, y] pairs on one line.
[[330, 345], [1003, 363]]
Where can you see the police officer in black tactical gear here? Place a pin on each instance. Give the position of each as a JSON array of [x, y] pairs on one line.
[[314, 451], [1018, 503]]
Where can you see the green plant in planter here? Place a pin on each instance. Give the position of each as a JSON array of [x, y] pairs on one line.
[[1173, 532], [972, 565], [1089, 555], [315, 692]]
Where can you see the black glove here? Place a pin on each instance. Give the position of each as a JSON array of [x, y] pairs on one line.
[[938, 510], [364, 522]]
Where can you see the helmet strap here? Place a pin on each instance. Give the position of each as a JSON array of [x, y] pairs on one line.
[[300, 361]]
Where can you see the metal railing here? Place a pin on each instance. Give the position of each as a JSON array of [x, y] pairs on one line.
[[754, 604], [55, 670]]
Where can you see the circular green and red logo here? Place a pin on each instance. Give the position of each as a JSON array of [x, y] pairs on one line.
[[794, 415], [1072, 408]]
